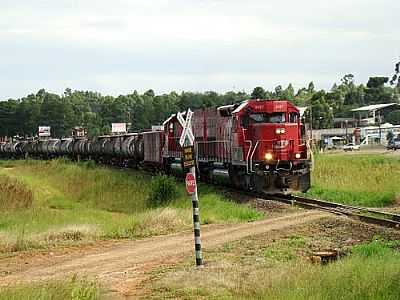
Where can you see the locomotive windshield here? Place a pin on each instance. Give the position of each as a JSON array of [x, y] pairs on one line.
[[278, 117]]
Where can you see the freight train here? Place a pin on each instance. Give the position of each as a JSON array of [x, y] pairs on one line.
[[257, 145]]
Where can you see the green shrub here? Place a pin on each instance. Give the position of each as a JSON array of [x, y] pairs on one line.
[[376, 248], [163, 189]]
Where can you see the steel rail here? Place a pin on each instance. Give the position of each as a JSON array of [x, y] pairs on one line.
[[361, 213]]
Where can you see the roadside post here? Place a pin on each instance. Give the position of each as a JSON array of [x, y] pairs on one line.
[[188, 162]]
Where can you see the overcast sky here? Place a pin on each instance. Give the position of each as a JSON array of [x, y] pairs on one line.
[[117, 46]]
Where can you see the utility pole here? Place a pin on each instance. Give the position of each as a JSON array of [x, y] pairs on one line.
[[311, 123], [380, 129]]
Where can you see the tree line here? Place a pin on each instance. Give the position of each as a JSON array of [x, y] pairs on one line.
[[96, 112]]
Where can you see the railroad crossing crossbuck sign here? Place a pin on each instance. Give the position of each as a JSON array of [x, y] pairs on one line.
[[187, 133]]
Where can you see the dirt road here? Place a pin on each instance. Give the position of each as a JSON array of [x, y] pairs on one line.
[[122, 267]]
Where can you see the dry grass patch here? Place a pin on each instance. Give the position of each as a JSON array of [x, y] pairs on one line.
[[161, 221], [14, 194]]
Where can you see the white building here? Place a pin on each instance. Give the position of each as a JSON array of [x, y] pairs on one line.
[[378, 134], [374, 114]]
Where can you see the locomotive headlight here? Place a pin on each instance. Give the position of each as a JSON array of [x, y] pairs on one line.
[[268, 156], [298, 155], [280, 130]]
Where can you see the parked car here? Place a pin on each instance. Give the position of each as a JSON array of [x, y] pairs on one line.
[[351, 147], [393, 145]]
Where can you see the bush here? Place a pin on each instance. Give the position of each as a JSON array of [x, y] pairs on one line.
[[162, 190]]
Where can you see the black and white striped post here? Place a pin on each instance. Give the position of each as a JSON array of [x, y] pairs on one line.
[[187, 142], [196, 222]]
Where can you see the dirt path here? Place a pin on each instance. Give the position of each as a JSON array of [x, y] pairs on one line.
[[122, 267]]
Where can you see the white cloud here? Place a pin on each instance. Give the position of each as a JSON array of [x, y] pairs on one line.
[[200, 45]]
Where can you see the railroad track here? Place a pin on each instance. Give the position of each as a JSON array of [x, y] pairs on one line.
[[363, 214]]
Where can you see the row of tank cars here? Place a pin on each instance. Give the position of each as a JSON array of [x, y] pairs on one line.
[[126, 149]]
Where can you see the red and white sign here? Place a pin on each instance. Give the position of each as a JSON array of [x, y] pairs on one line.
[[190, 183], [44, 130], [118, 127]]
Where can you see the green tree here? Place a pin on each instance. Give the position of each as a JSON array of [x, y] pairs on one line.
[[396, 77], [258, 93], [288, 93], [393, 117], [376, 91], [9, 122]]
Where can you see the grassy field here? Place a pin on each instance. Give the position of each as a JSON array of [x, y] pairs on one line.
[[371, 272], [46, 203], [280, 271], [367, 180]]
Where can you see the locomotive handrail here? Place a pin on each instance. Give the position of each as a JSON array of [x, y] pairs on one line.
[[252, 155], [248, 155]]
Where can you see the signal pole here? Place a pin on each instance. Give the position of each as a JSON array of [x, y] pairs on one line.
[[311, 124], [196, 221], [188, 162]]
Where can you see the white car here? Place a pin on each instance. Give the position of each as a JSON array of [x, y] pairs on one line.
[[351, 147]]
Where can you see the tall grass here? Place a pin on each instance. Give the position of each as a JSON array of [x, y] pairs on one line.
[[74, 289], [62, 185], [14, 194], [78, 202], [368, 180]]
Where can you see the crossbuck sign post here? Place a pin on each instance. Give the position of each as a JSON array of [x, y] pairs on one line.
[[187, 142]]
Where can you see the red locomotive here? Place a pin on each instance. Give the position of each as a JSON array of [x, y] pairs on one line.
[[256, 145]]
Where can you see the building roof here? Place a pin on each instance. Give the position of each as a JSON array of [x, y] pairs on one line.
[[374, 107]]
